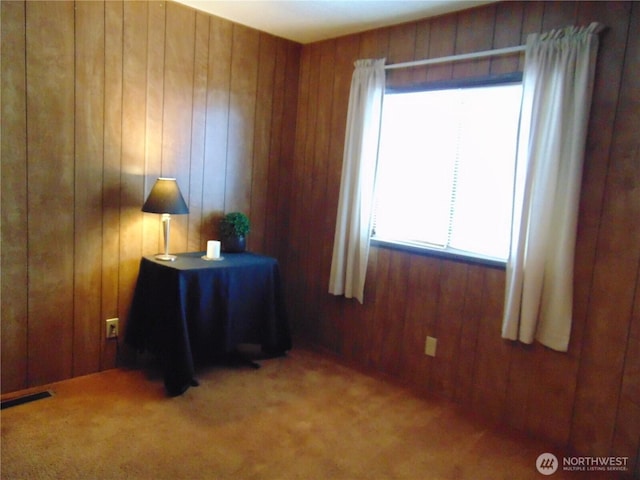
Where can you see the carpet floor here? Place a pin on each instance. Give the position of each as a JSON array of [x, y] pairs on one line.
[[303, 416]]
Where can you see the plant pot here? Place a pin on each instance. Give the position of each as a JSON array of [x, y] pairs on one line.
[[234, 244]]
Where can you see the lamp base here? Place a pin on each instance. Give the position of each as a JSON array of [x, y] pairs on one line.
[[165, 257]]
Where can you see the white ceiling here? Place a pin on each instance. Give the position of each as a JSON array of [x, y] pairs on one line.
[[306, 21]]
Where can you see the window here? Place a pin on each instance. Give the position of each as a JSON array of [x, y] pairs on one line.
[[446, 168]]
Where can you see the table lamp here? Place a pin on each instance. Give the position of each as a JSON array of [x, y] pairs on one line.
[[165, 198]]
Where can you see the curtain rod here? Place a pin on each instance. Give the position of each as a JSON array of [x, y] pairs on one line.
[[457, 58]]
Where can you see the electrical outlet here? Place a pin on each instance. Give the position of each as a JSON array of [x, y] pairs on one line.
[[112, 328], [430, 346]]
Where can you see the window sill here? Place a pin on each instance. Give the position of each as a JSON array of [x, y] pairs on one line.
[[448, 254]]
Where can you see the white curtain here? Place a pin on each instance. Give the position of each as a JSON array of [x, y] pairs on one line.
[[557, 89], [353, 221]]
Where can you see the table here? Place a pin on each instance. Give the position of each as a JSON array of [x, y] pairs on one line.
[[192, 310]]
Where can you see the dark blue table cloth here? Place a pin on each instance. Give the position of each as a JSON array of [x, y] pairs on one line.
[[193, 310]]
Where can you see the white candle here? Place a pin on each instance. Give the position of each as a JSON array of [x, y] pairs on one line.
[[213, 249]]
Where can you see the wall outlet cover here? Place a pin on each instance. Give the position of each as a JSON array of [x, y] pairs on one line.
[[430, 346], [112, 328]]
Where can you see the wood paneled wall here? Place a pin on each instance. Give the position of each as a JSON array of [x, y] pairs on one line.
[[587, 400], [98, 100]]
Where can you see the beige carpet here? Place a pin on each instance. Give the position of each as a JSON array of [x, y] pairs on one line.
[[304, 416]]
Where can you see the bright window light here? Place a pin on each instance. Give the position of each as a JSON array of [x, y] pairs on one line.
[[446, 167]]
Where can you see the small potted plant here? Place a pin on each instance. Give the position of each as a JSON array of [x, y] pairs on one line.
[[234, 228]]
